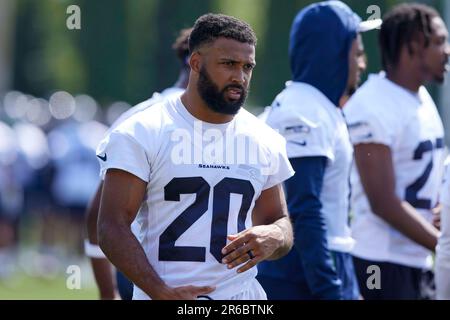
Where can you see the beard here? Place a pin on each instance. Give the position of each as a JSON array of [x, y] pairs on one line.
[[215, 98], [439, 79]]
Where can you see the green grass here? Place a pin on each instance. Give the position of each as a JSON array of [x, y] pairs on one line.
[[23, 287]]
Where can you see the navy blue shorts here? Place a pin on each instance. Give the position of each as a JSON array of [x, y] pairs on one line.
[[397, 282]]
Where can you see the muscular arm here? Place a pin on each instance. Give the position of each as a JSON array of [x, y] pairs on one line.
[[269, 239], [100, 266], [271, 209], [374, 163], [122, 196]]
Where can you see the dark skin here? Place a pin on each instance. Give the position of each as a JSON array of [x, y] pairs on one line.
[[374, 161], [102, 267], [227, 61], [424, 64], [356, 66]]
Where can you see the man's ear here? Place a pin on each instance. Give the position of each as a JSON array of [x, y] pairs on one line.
[[195, 61]]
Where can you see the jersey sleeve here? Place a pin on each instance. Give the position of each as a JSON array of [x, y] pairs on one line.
[[367, 126], [120, 150], [305, 135]]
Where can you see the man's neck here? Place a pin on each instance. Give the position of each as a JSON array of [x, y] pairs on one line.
[[198, 108], [405, 77]]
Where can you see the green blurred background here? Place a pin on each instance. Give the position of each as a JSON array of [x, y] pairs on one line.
[[122, 51]]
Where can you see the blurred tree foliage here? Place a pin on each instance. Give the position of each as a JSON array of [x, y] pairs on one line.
[[123, 50]]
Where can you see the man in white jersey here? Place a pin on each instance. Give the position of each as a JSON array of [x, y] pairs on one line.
[[398, 139], [100, 265], [442, 268], [327, 58], [201, 176]]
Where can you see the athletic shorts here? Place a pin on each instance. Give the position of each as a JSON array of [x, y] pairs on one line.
[[396, 282], [250, 290], [254, 291]]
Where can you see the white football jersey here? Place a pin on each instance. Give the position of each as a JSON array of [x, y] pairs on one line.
[[384, 113], [171, 92], [263, 116], [442, 268], [168, 93], [203, 180], [313, 126]]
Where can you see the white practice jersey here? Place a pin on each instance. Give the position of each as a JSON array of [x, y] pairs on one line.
[[168, 93], [263, 116], [442, 268], [384, 113], [203, 180], [171, 92], [313, 126]]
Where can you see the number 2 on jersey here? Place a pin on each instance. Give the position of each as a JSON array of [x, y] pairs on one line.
[[220, 211], [413, 189]]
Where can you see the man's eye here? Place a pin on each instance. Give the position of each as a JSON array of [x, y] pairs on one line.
[[441, 41], [229, 63], [248, 66]]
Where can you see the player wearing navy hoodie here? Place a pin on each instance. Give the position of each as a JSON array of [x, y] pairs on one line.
[[327, 57]]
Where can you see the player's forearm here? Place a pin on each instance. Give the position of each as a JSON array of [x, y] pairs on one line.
[[283, 232], [100, 266], [104, 278], [403, 217], [125, 252]]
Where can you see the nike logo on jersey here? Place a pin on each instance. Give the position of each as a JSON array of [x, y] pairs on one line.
[[367, 136], [103, 158], [300, 143], [360, 130]]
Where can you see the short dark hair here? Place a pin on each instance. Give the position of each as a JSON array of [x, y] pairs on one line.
[[400, 27], [181, 45], [211, 26]]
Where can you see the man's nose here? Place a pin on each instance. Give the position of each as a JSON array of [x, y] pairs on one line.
[[238, 76], [362, 63]]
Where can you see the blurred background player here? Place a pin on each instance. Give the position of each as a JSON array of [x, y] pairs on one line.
[[398, 139], [327, 58], [75, 174], [100, 265], [11, 199]]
